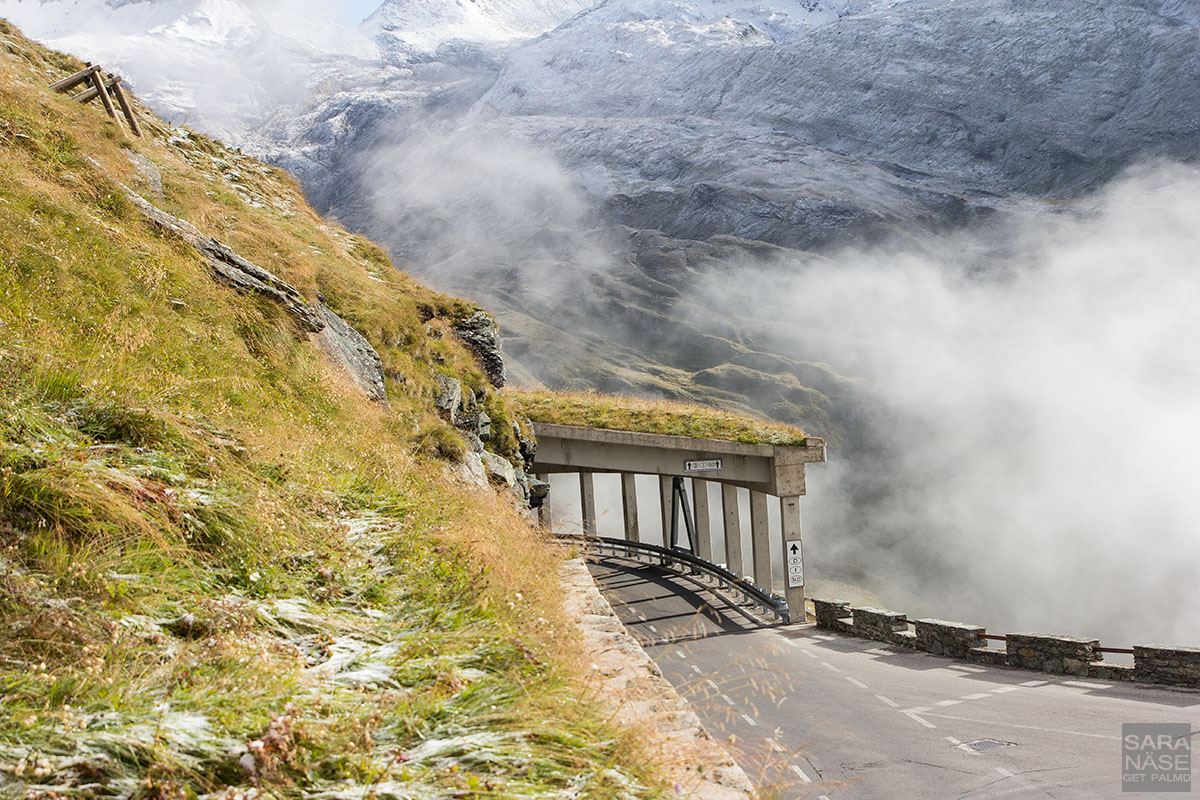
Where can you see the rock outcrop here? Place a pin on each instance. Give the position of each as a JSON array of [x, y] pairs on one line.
[[481, 335], [231, 268], [348, 348], [344, 345]]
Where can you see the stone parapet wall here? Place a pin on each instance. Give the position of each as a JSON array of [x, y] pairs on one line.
[[879, 624], [1056, 655], [832, 614], [952, 639], [1179, 666]]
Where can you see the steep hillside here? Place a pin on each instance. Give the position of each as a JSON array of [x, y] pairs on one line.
[[571, 134], [225, 570]]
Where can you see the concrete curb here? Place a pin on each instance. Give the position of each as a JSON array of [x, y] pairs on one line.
[[630, 683]]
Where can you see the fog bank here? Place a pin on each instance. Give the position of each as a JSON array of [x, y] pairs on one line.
[[1024, 456]]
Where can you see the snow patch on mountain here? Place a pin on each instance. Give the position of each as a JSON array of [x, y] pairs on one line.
[[221, 65], [417, 27]]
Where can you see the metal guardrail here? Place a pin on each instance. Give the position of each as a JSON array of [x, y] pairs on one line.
[[769, 604]]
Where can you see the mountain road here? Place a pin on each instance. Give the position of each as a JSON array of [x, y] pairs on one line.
[[813, 714]]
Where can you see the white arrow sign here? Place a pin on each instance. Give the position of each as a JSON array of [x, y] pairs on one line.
[[794, 553]]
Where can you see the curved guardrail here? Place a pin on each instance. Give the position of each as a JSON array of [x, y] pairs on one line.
[[669, 557]]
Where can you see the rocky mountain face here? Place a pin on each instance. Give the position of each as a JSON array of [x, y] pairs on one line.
[[580, 166]]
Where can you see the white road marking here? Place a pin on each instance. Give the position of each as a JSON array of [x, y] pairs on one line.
[[696, 669], [829, 666], [1035, 683], [856, 682], [725, 697], [809, 653], [1087, 685], [1004, 689], [749, 720], [776, 746], [1027, 727], [914, 712], [1004, 772], [879, 651], [713, 686], [976, 696], [653, 628], [789, 642], [800, 772], [961, 746], [947, 702], [891, 703], [824, 637], [680, 654]]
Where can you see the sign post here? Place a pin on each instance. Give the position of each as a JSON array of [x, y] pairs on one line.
[[793, 556]]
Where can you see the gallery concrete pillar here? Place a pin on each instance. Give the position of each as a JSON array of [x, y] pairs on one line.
[[544, 515], [760, 540], [666, 494], [793, 557], [629, 506], [733, 530], [703, 541], [587, 503]]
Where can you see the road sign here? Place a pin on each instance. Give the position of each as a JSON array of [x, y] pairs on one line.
[[794, 553], [711, 465]]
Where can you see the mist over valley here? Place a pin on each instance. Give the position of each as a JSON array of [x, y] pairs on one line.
[[956, 238]]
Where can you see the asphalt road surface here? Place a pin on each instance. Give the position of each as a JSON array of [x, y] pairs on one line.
[[819, 715]]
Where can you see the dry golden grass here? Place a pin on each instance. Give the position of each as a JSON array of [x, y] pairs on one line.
[[170, 448]]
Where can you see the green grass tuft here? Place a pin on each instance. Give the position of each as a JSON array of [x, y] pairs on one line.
[[652, 416]]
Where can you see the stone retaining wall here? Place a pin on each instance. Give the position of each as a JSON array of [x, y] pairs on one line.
[[1057, 655], [1179, 666]]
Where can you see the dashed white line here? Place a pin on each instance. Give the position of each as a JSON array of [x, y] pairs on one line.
[[1035, 683], [976, 696], [829, 666], [696, 669], [680, 654], [789, 642], [947, 702], [961, 746], [1087, 685], [800, 772], [1004, 689], [856, 682], [749, 720], [809, 653], [712, 685], [725, 697], [1027, 727], [653, 628], [914, 714], [776, 746], [1004, 772], [887, 701]]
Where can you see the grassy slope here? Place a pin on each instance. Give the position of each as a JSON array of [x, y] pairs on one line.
[[651, 416], [222, 572]]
